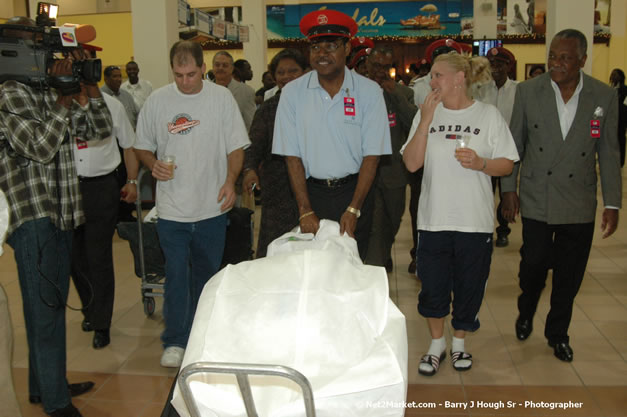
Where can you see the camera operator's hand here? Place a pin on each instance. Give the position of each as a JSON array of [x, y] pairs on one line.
[[62, 67]]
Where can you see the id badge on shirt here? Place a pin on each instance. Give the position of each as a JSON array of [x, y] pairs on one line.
[[80, 143], [392, 119], [349, 106], [595, 128]]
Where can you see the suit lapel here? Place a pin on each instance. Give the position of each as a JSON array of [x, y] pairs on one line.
[[585, 110], [546, 95]]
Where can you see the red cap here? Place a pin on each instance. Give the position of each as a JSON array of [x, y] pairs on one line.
[[361, 42], [91, 47], [359, 56], [502, 54], [441, 46], [327, 23]]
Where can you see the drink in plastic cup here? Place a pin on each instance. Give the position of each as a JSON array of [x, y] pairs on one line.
[[462, 142], [169, 160]]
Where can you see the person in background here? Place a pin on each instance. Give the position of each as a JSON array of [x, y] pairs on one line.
[[279, 212], [140, 89], [536, 70], [390, 184], [617, 80], [268, 83], [358, 63], [113, 81], [558, 193], [499, 92], [244, 94], [462, 143], [244, 70]]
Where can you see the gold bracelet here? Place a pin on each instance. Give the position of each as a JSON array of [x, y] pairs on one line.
[[309, 213]]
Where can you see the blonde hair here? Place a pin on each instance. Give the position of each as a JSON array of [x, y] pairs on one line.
[[476, 69]]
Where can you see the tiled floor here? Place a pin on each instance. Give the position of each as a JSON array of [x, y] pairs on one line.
[[506, 372]]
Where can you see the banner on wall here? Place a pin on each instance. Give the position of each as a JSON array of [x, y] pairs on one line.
[[232, 31], [390, 18], [218, 28]]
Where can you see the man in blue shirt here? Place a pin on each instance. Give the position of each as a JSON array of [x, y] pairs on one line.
[[331, 126]]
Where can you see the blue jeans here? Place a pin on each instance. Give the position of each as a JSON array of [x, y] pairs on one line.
[[42, 253], [193, 253]]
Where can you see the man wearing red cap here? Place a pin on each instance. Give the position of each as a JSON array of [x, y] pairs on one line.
[[441, 46], [500, 92], [331, 125]]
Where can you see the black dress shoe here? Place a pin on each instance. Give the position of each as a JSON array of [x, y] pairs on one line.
[[501, 241], [101, 338], [523, 328], [67, 411], [562, 351], [86, 326], [75, 390]]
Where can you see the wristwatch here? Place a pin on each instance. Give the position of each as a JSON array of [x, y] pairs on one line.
[[354, 211], [131, 182]]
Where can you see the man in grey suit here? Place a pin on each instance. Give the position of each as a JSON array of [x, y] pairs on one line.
[[562, 122]]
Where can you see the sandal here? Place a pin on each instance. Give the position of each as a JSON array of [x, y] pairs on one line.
[[457, 357], [433, 361]]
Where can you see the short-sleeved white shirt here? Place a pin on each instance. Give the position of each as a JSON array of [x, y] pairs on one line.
[[200, 130], [100, 157], [454, 198], [331, 135]]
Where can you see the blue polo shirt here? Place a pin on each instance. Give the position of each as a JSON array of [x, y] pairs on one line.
[[331, 135]]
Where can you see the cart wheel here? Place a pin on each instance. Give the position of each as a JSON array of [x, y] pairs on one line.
[[149, 306]]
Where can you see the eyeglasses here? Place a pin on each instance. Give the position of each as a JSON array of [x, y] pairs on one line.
[[327, 46]]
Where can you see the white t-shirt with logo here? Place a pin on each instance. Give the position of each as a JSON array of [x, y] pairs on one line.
[[454, 198], [199, 130]]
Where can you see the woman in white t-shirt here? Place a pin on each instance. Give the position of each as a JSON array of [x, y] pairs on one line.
[[461, 143]]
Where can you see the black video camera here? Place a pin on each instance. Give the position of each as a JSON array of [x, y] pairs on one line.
[[28, 52]]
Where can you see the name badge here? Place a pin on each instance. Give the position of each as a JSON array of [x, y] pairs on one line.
[[81, 144], [349, 106], [392, 119], [595, 128]]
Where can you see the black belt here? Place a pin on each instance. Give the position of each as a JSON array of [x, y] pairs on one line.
[[333, 182], [98, 178]]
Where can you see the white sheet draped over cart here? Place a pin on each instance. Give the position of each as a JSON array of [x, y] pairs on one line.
[[313, 306]]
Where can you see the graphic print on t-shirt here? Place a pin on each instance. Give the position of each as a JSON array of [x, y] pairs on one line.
[[454, 128], [182, 124]]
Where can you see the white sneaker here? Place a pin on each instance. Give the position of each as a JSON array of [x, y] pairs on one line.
[[172, 357]]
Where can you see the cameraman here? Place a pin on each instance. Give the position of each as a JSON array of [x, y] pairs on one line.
[[38, 176]]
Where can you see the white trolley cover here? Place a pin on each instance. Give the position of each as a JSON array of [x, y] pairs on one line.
[[311, 305]]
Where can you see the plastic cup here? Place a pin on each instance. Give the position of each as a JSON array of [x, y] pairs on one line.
[[462, 142], [170, 160]]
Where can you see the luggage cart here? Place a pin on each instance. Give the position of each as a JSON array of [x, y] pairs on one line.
[[148, 257], [241, 372]]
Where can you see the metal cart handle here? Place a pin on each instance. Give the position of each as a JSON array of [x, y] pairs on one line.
[[241, 371]]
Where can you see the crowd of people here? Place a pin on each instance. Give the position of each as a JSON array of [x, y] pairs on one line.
[[329, 136]]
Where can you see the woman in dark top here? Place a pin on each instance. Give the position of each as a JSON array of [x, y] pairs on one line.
[[617, 80], [279, 213]]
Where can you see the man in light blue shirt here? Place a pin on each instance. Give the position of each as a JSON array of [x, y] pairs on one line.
[[331, 126]]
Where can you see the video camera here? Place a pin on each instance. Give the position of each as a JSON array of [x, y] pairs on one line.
[[28, 52]]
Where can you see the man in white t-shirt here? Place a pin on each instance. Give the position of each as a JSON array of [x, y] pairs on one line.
[[199, 124], [139, 89]]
